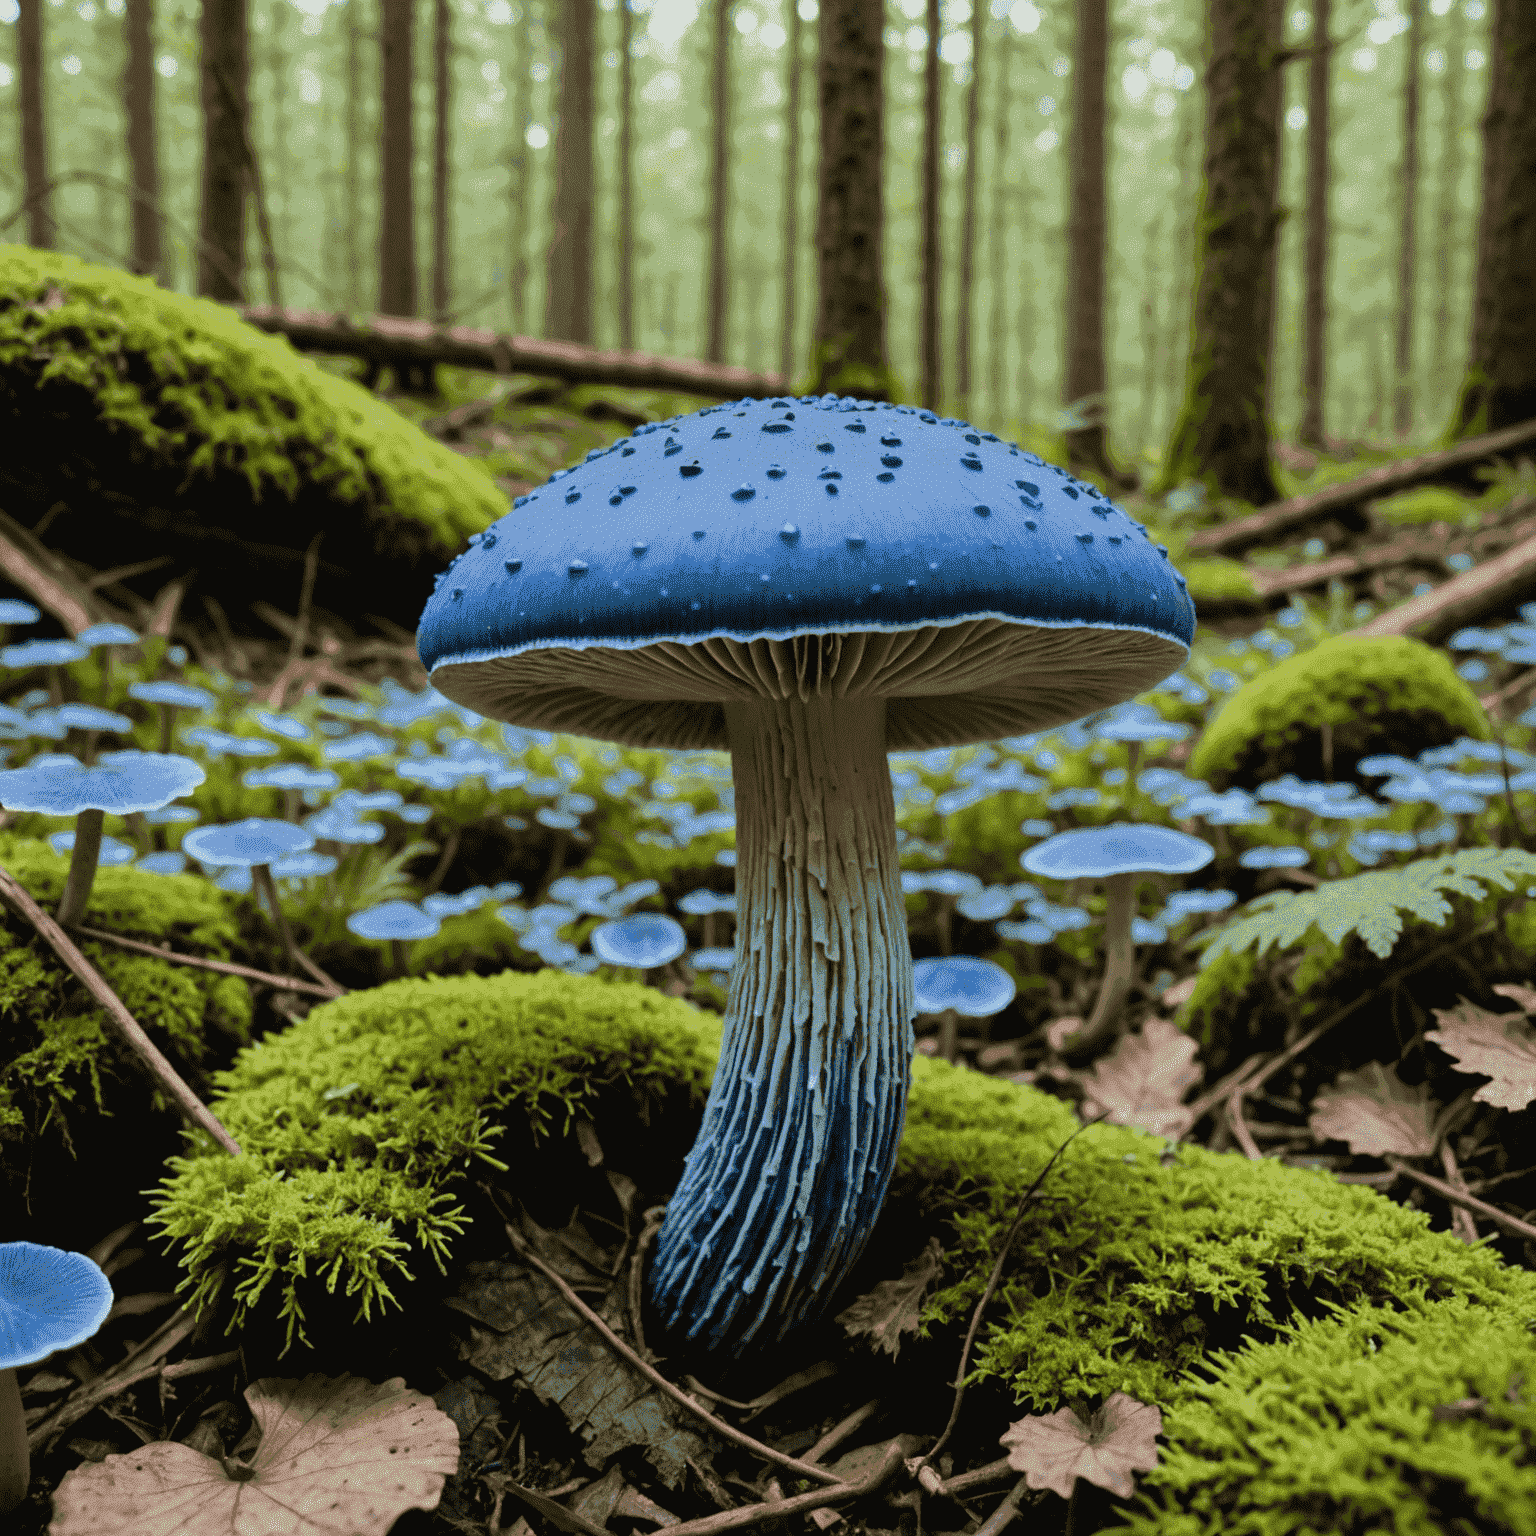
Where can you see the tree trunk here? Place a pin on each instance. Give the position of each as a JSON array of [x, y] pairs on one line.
[[518, 199], [397, 142], [568, 310], [997, 217], [1221, 435], [224, 86], [42, 228], [791, 195], [1087, 446], [849, 354], [1314, 310], [1500, 387], [719, 184], [149, 249], [1155, 243], [442, 165], [352, 202], [932, 279], [277, 103], [626, 179], [1408, 239], [966, 298], [1447, 216]]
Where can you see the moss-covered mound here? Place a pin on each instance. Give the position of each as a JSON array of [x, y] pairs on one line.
[[1388, 694], [164, 421], [69, 1085]]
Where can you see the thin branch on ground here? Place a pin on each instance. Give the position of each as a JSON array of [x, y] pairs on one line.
[[225, 967]]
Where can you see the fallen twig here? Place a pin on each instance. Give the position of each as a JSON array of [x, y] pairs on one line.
[[16, 896], [226, 967], [1511, 1224], [1006, 1512]]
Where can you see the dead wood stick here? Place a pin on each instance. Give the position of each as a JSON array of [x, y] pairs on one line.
[[227, 967]]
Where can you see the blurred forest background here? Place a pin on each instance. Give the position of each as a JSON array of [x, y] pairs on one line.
[[654, 175]]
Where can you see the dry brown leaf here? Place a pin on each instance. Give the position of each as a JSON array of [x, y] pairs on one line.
[[339, 1456], [1523, 998], [894, 1306], [1376, 1112], [1053, 1450], [1143, 1079], [1499, 1046]]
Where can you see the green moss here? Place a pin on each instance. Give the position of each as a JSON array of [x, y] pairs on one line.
[[1388, 694], [220, 444], [1336, 1428], [55, 1044], [1219, 583], [1426, 504]]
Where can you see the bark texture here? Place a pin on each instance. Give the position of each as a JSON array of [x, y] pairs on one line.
[[968, 216], [933, 251], [717, 298], [791, 195], [143, 157], [397, 226], [568, 261], [42, 229], [224, 85], [1408, 232], [1221, 434], [791, 1167], [1314, 304]]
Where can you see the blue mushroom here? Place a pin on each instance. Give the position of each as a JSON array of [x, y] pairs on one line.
[[956, 985], [14, 611], [170, 697], [647, 941], [50, 1299], [808, 584], [1116, 854], [55, 784], [394, 921]]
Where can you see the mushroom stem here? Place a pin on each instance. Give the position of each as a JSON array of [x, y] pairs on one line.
[[949, 1033], [397, 957], [15, 1458], [1132, 762], [1119, 966], [82, 867], [784, 1184], [261, 877]]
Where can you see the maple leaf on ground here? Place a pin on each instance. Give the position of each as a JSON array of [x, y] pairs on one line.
[[1499, 1046], [894, 1306], [1142, 1081], [1376, 1112], [339, 1456], [1053, 1450]]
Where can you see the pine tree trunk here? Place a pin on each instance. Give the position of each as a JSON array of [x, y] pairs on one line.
[[1408, 238], [932, 279], [442, 164], [626, 179], [849, 354], [277, 105], [568, 261], [1447, 216], [149, 250], [353, 196], [966, 298], [1500, 387], [719, 184], [1314, 308], [790, 259], [224, 85], [42, 227], [1085, 382], [1221, 435], [397, 141], [998, 202], [518, 199]]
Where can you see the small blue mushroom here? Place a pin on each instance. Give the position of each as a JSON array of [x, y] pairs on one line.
[[395, 921], [952, 985], [112, 851], [170, 697], [292, 779], [50, 1299], [52, 654], [55, 784], [647, 941], [1116, 854], [14, 611]]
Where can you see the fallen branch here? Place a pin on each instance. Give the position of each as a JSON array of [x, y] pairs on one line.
[[1296, 578], [227, 967], [19, 899], [26, 564], [1511, 1224], [392, 340], [1285, 517]]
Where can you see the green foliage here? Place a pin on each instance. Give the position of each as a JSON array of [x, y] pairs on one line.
[[1375, 693], [355, 1123], [1339, 1426], [1125, 1273], [1427, 504], [1219, 583], [1368, 904]]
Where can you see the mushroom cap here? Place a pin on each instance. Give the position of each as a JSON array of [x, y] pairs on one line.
[[182, 695], [972, 986], [282, 725], [113, 850], [303, 866], [768, 548], [353, 749], [81, 717], [256, 840], [14, 611], [1120, 848], [1140, 722], [56, 784], [647, 939], [393, 920], [42, 653], [50, 1298], [106, 634], [289, 776]]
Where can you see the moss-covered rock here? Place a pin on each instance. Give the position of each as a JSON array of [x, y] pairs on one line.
[[69, 1084], [162, 419], [1388, 694]]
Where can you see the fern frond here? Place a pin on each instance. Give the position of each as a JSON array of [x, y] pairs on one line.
[[1371, 904]]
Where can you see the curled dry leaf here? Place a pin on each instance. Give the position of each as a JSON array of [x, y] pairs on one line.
[[339, 1456], [1376, 1112], [894, 1306], [1500, 1046], [1053, 1450], [1142, 1081]]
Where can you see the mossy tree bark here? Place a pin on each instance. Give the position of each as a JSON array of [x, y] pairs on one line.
[[848, 345], [791, 1166], [1221, 434], [1500, 386]]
